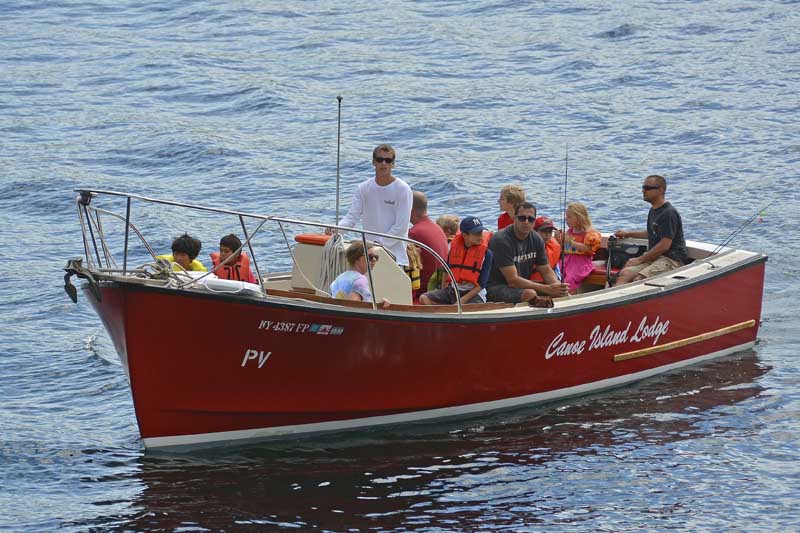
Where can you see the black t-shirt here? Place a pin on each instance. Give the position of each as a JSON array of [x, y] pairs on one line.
[[666, 222], [508, 250]]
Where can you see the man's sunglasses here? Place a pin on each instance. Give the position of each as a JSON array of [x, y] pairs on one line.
[[373, 257], [384, 159], [650, 187], [523, 218]]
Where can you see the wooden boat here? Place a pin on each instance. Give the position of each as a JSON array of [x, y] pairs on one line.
[[215, 361]]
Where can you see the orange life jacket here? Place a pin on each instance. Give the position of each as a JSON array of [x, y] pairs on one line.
[[553, 250], [235, 270], [466, 262]]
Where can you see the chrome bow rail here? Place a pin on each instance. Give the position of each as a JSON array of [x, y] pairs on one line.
[[99, 258]]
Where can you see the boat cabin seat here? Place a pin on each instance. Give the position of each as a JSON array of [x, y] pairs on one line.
[[388, 278]]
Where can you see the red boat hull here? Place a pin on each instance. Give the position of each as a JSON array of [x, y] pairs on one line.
[[206, 368]]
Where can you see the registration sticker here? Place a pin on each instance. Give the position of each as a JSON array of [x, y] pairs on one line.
[[300, 327]]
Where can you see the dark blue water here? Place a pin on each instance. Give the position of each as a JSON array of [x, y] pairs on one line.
[[234, 104]]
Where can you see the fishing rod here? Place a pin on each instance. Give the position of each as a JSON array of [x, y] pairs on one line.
[[564, 214], [741, 227], [338, 150]]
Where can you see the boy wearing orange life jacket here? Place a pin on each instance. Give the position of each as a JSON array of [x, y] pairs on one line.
[[471, 262], [237, 268]]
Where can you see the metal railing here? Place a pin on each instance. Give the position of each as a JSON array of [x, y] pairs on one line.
[[94, 237]]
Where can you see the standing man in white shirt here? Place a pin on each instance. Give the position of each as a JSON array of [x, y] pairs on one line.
[[382, 204]]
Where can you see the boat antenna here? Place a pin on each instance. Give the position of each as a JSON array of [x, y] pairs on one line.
[[564, 213], [741, 227], [338, 151]]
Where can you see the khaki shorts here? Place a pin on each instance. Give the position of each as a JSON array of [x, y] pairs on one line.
[[658, 266]]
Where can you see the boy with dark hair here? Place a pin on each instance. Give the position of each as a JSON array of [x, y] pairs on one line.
[[185, 250], [236, 268]]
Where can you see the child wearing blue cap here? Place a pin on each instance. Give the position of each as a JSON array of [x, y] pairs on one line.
[[470, 261]]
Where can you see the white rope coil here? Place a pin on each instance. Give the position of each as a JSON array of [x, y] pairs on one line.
[[333, 261]]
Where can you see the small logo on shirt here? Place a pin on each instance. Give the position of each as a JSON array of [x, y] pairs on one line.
[[525, 257], [389, 202]]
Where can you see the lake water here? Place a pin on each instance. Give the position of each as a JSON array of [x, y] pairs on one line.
[[233, 104]]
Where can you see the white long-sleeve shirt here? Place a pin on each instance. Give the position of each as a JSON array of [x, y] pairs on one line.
[[385, 209]]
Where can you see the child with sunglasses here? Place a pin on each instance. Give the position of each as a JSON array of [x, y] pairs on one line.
[[353, 284]]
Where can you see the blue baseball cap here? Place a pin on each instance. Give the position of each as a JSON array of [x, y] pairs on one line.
[[471, 225]]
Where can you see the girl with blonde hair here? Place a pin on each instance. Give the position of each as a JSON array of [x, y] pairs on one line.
[[580, 244]]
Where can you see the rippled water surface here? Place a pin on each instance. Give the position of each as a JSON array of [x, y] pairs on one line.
[[234, 104]]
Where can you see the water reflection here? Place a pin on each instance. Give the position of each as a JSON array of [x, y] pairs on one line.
[[504, 470]]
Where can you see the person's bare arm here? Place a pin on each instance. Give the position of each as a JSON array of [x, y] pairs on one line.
[[513, 279], [652, 254], [470, 294], [551, 285], [553, 288], [622, 234]]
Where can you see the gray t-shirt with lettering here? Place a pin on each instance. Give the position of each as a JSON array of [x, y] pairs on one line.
[[508, 250]]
